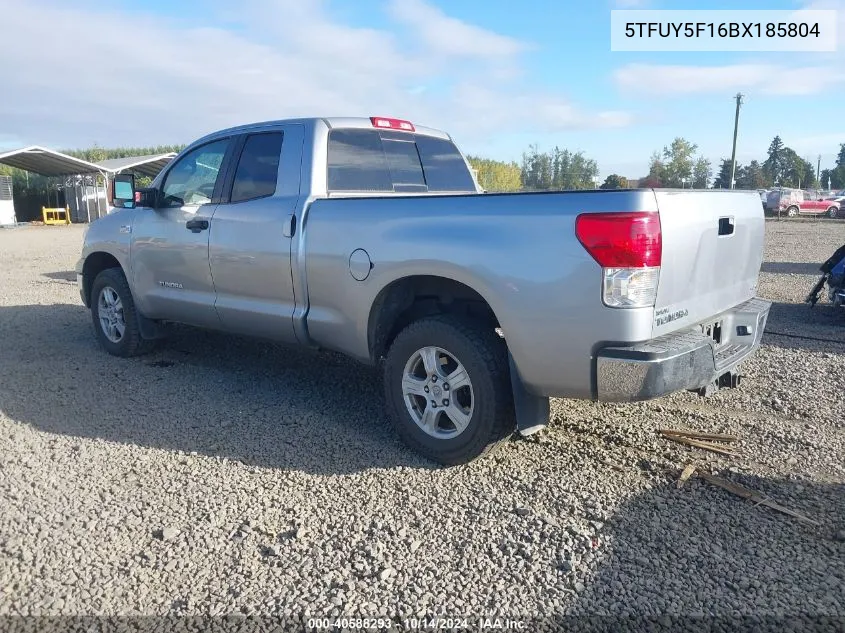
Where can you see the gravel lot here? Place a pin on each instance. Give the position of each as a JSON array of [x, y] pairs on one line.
[[226, 476]]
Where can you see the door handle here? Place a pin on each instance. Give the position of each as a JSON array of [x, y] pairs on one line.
[[196, 225], [726, 226], [290, 226]]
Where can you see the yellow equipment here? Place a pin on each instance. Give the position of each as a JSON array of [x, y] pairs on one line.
[[53, 216]]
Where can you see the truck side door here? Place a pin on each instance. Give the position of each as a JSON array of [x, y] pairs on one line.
[[251, 236], [169, 245]]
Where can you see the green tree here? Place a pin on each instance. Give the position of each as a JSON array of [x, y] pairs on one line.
[[536, 169], [834, 178], [701, 173], [796, 171], [752, 177], [678, 162], [723, 179], [614, 181], [826, 177], [656, 171], [677, 166], [558, 169], [494, 175], [773, 166]]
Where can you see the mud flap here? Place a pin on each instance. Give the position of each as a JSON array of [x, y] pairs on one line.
[[532, 411], [150, 330]]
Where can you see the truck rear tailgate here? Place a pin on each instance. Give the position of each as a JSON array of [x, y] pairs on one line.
[[712, 252]]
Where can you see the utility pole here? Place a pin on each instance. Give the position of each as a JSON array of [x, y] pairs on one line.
[[736, 128], [819, 171]]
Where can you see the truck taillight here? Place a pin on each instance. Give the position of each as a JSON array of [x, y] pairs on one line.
[[629, 248], [392, 124]]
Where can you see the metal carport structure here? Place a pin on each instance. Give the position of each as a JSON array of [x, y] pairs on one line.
[[47, 162], [148, 165], [81, 176]]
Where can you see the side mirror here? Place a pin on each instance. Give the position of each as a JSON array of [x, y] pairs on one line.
[[123, 191], [146, 197]]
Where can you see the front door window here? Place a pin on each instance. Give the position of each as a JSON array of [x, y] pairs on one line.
[[192, 179]]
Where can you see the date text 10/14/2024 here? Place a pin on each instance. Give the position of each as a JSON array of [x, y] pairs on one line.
[[417, 624]]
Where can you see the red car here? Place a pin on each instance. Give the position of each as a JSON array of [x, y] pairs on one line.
[[797, 202]]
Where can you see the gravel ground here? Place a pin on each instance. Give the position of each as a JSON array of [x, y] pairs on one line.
[[221, 475]]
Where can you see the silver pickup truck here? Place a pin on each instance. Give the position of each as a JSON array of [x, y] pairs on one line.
[[371, 237]]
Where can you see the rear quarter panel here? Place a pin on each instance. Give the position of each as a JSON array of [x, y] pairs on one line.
[[518, 251]]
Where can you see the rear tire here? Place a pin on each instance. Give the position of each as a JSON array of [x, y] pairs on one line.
[[115, 316], [445, 424], [832, 212]]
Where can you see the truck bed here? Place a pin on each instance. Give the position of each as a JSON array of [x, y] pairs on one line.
[[520, 253]]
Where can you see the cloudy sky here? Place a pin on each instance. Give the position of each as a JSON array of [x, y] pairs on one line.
[[499, 75]]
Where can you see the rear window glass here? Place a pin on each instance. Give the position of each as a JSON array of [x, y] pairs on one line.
[[370, 160], [404, 162], [445, 169]]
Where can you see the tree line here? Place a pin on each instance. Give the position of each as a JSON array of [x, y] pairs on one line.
[[785, 168], [98, 154], [677, 165]]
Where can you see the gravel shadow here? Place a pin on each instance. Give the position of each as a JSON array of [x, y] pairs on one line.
[[701, 558], [259, 403], [791, 268], [61, 275], [798, 326]]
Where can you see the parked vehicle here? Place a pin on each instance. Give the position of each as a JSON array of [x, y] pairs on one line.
[[370, 237], [837, 196], [795, 202], [833, 274]]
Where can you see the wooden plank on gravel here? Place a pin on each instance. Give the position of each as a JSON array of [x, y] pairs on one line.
[[708, 446], [695, 435], [686, 474], [753, 495]]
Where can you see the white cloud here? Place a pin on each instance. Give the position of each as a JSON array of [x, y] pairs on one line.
[[452, 37], [769, 79], [119, 78]]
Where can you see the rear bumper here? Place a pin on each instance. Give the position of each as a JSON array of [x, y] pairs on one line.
[[680, 361]]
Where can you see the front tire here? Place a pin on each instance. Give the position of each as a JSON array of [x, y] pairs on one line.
[[792, 212], [448, 389], [832, 212], [115, 316]]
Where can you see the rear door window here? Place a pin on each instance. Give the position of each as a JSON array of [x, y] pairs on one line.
[[258, 167]]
